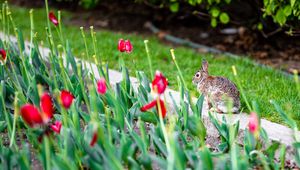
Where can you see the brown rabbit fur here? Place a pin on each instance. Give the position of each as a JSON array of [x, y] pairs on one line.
[[217, 90]]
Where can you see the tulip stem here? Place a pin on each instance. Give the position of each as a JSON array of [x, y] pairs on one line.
[[16, 114], [161, 121], [7, 116], [79, 69], [95, 47], [148, 56], [47, 152], [108, 124], [178, 69], [240, 87], [86, 51], [47, 13], [31, 30]]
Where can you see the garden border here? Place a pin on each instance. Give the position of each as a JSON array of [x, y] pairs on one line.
[[275, 131]]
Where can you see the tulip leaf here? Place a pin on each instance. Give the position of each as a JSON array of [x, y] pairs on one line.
[[197, 128], [21, 40]]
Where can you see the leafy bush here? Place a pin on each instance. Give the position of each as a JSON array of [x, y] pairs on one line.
[[103, 126], [285, 14]]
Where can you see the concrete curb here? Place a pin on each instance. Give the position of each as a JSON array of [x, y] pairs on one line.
[[276, 132]]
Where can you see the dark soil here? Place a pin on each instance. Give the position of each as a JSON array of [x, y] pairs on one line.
[[278, 50]]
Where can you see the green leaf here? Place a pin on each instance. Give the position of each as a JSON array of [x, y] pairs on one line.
[[293, 3], [224, 18], [174, 7], [3, 125], [197, 127], [148, 117], [213, 22], [206, 159], [287, 10], [214, 12], [280, 17], [260, 26], [21, 39]]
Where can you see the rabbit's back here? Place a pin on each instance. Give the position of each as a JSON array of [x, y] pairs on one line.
[[218, 87]]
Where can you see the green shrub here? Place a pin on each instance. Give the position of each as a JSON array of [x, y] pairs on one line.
[[285, 14]]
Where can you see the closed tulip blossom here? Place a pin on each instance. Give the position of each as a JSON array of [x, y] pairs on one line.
[[125, 46], [101, 86], [53, 18], [56, 127], [253, 123], [33, 116], [159, 83], [3, 56], [66, 99]]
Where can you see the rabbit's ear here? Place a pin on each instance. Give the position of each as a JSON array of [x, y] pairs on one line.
[[204, 65]]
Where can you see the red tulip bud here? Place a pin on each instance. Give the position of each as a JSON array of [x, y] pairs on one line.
[[128, 46], [101, 86], [53, 18], [31, 115], [47, 107], [66, 99], [3, 55], [125, 46]]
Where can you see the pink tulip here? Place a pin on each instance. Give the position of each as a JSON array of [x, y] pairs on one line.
[[253, 123], [53, 18], [66, 99], [101, 86], [56, 127]]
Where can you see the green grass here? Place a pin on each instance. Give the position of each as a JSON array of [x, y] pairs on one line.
[[260, 84]]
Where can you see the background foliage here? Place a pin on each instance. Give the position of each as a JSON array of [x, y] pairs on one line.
[[284, 14]]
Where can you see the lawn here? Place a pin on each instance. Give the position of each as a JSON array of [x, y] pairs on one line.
[[259, 84]]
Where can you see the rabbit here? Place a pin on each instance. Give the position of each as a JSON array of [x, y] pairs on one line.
[[217, 90]]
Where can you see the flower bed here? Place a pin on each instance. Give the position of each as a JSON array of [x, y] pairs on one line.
[[67, 119]]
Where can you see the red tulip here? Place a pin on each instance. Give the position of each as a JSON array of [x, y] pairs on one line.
[[125, 46], [160, 82], [94, 139], [253, 123], [31, 115], [66, 99], [128, 46], [56, 127], [3, 55], [46, 106], [121, 45], [53, 18], [154, 103], [101, 86]]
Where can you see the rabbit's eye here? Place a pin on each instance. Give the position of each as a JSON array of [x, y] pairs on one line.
[[197, 75]]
